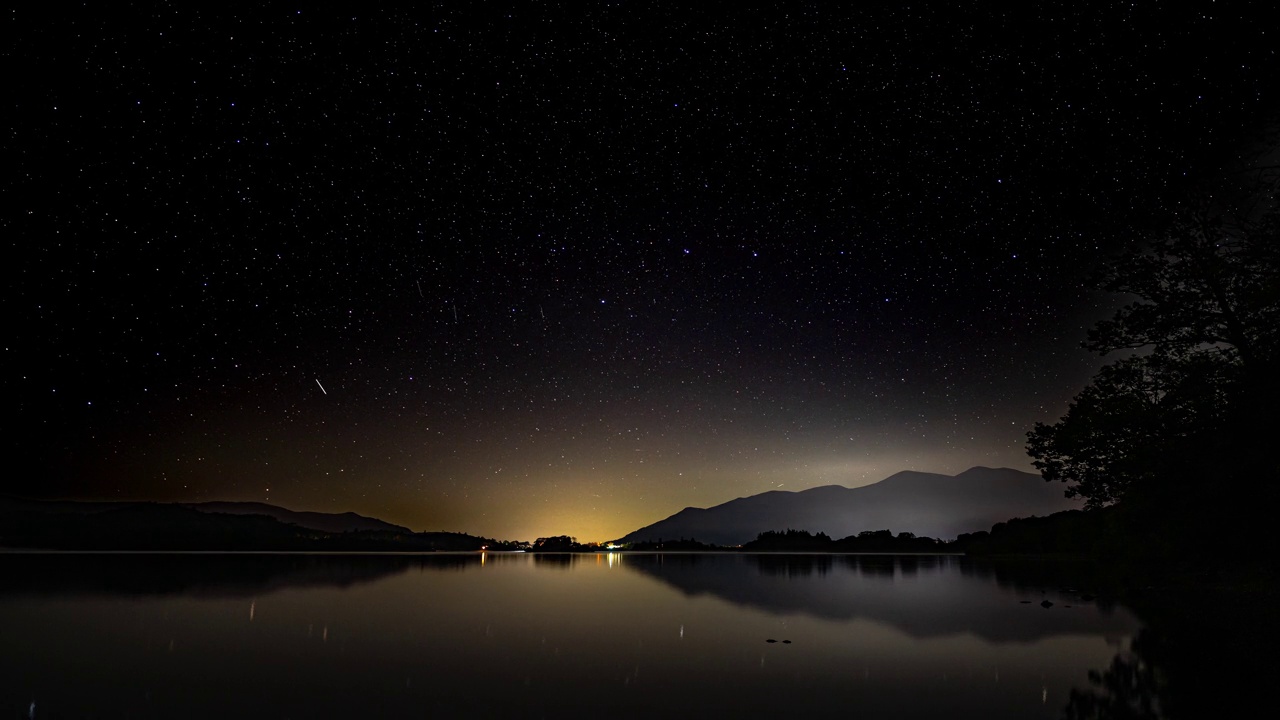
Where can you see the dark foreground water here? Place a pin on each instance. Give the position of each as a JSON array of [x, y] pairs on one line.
[[608, 635]]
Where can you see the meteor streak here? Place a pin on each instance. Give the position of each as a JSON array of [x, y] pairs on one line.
[[326, 392]]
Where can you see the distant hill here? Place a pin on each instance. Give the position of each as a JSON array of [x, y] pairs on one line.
[[328, 522], [72, 525], [927, 504]]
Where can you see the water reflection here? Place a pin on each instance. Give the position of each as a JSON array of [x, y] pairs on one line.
[[560, 561], [1129, 688], [792, 565], [539, 635], [1206, 651], [916, 594], [881, 567], [206, 575]]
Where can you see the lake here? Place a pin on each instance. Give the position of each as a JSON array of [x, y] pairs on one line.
[[520, 635]]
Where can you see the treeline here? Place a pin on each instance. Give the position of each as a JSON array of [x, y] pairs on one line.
[[564, 543], [868, 541], [1070, 533], [803, 541], [1096, 533]]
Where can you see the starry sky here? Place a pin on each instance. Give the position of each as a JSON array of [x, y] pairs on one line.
[[530, 269]]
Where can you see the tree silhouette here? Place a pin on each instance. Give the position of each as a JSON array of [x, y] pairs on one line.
[[556, 543], [1129, 428], [1207, 284], [1174, 429]]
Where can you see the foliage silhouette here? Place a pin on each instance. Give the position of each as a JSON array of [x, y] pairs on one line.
[[789, 541], [1172, 432], [556, 543], [681, 545]]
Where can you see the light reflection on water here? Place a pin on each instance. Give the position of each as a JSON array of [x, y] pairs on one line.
[[514, 635]]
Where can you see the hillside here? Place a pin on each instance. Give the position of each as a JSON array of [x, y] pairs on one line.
[[927, 504]]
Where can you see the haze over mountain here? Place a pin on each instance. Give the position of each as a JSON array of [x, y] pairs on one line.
[[927, 504]]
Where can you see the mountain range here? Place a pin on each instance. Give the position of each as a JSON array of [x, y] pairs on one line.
[[325, 522], [926, 504], [214, 526]]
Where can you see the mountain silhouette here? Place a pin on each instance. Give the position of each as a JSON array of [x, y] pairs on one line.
[[327, 522], [927, 504], [123, 526]]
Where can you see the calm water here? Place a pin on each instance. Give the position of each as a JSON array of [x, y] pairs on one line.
[[609, 635]]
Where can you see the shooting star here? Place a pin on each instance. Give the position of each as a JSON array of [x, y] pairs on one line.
[[419, 284], [326, 392], [455, 313], [544, 315]]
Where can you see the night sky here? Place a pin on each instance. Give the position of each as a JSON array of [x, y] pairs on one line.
[[530, 270]]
